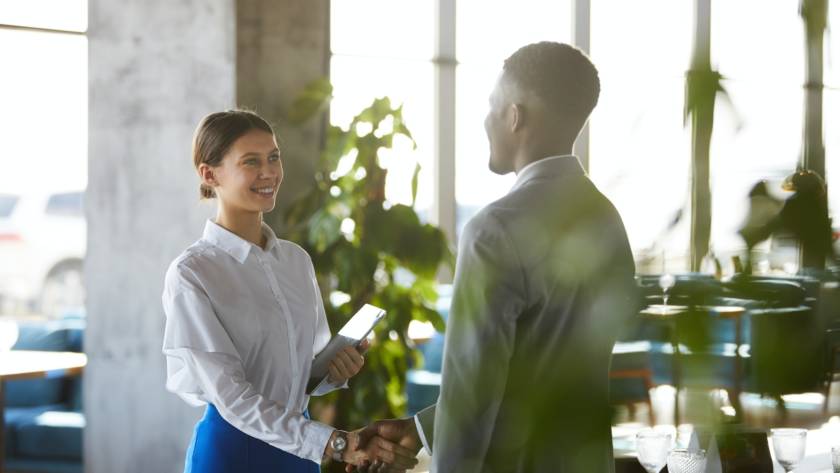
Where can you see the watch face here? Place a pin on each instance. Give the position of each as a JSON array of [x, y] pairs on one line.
[[340, 443]]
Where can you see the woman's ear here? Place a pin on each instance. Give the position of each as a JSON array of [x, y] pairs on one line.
[[207, 174]]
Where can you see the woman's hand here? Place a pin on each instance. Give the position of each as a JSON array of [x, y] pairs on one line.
[[371, 452], [347, 363], [400, 431]]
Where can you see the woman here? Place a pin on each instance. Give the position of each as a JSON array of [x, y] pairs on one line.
[[244, 318]]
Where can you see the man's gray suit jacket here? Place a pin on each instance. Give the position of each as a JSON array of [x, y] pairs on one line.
[[543, 284]]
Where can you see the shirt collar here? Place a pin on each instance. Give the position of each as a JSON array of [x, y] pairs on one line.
[[550, 166], [232, 243]]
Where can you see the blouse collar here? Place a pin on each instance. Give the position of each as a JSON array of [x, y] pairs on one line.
[[233, 244]]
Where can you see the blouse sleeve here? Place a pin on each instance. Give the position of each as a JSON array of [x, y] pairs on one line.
[[322, 333], [204, 366]]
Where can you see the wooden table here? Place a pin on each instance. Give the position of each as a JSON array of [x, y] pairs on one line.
[[669, 314], [20, 364], [735, 313]]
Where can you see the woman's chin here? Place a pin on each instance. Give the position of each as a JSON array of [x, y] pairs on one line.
[[263, 204], [267, 206]]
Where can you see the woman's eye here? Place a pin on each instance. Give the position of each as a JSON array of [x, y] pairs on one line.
[[274, 158]]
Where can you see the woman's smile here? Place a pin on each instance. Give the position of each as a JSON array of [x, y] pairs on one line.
[[264, 191]]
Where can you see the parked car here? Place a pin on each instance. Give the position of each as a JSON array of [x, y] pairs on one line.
[[42, 246]]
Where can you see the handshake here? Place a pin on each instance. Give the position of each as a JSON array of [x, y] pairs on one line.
[[384, 446]]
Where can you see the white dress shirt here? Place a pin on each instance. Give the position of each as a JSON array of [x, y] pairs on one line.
[[242, 327]]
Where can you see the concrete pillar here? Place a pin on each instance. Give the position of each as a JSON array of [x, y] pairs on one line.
[[282, 45], [156, 67]]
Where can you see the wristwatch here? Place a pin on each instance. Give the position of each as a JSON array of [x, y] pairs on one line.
[[338, 445]]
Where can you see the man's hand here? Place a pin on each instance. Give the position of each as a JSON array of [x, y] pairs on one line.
[[401, 431], [364, 448], [347, 363]]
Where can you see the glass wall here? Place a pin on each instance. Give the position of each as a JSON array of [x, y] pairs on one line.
[[383, 48], [44, 160], [640, 150], [487, 32], [640, 146]]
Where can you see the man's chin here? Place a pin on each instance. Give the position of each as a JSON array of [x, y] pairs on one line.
[[496, 168]]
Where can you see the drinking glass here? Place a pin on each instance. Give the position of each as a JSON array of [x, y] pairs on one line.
[[652, 447], [835, 459], [681, 460], [666, 282], [789, 446]]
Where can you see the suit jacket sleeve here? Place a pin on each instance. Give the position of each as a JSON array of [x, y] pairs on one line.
[[489, 295], [425, 422]]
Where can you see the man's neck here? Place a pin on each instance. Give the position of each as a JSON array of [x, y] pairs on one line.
[[524, 160]]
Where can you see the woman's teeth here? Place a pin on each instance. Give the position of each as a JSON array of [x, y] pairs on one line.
[[264, 190]]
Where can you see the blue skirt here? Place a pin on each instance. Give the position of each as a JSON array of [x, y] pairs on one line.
[[218, 447]]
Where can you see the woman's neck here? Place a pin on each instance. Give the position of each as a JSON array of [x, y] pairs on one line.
[[247, 225]]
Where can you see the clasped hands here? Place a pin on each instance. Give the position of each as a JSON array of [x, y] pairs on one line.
[[384, 446]]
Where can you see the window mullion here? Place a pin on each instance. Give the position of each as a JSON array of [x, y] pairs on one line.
[[445, 63]]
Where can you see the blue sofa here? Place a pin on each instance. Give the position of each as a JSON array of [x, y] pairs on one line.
[[44, 420], [779, 318], [423, 382]]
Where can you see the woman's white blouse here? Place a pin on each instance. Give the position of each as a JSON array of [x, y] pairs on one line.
[[242, 327]]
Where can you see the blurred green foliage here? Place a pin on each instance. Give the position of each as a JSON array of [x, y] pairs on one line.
[[367, 250], [702, 87]]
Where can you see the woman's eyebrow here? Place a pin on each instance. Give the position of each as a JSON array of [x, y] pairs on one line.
[[257, 155]]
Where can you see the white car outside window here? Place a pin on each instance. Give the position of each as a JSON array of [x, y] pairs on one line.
[[42, 247]]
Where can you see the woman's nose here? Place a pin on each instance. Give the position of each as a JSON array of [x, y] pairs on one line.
[[268, 170]]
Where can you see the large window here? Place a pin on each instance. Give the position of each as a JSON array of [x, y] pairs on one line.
[[383, 48], [43, 98], [831, 109], [759, 136], [487, 33], [639, 151]]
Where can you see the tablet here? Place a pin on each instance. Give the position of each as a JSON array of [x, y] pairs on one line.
[[354, 331]]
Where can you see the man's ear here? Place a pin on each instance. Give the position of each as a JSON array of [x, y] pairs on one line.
[[207, 175], [517, 117]]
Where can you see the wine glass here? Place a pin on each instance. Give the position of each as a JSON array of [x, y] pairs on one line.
[[681, 460], [789, 446], [666, 282], [652, 447]]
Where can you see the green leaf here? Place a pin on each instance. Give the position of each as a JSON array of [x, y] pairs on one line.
[[426, 290], [414, 181], [324, 230], [701, 88], [376, 112], [339, 143], [314, 98], [400, 129], [426, 314], [303, 208]]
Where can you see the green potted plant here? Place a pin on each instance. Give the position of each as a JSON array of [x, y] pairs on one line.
[[367, 250]]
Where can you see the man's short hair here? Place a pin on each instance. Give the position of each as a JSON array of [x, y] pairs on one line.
[[559, 75]]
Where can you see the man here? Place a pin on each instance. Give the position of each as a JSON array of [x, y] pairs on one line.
[[544, 281]]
